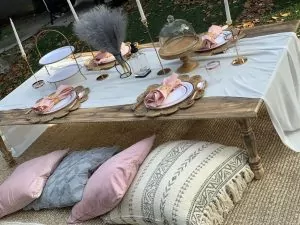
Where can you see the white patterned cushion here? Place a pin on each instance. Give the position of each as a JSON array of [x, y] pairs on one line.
[[184, 182]]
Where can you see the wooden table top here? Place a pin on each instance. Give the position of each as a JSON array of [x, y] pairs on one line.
[[206, 108]]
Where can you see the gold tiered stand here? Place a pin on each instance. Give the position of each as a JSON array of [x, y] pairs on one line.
[[181, 47]]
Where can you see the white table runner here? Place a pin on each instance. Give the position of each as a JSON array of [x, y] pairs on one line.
[[272, 73]]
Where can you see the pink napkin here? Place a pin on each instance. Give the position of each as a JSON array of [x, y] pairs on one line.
[[209, 39], [156, 97], [103, 57], [106, 57], [47, 103]]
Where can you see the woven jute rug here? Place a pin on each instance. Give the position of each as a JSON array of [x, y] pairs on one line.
[[274, 200]]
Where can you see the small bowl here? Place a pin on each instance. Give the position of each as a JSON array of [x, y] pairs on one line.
[[38, 84], [102, 77]]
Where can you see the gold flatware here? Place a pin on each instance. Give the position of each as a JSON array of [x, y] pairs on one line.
[[199, 87], [78, 97], [28, 111]]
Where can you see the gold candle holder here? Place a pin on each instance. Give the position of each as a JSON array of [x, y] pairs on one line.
[[38, 83], [239, 60], [163, 71]]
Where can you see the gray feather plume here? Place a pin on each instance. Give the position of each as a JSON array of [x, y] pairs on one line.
[[102, 28]]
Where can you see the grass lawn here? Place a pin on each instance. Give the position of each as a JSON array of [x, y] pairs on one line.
[[201, 15]]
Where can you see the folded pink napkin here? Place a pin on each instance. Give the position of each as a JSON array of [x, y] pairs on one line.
[[156, 97], [106, 57], [47, 103], [103, 57], [208, 40]]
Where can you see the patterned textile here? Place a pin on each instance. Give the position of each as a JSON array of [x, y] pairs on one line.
[[184, 182], [19, 223], [65, 186]]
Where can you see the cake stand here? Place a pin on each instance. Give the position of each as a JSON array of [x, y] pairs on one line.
[[57, 55], [181, 47]]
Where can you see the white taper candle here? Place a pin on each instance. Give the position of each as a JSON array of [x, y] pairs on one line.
[[18, 39], [143, 17], [227, 10], [73, 11]]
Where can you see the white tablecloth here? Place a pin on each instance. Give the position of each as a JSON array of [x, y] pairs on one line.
[[271, 73]]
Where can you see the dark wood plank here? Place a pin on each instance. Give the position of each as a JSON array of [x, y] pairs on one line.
[[205, 108], [280, 27]]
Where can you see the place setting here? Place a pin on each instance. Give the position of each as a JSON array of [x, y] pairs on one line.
[[174, 93], [218, 39], [57, 104], [104, 60]]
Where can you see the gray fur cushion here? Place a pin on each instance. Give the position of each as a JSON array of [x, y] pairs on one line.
[[65, 186]]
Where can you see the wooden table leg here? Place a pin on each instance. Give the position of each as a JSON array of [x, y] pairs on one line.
[[6, 153], [250, 144]]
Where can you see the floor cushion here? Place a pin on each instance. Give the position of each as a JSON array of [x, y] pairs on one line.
[[65, 186], [27, 181], [184, 182], [107, 186]]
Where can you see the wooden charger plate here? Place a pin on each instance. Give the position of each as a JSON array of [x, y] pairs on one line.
[[140, 110], [35, 118]]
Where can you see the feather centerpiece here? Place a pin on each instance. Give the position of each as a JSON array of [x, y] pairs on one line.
[[104, 29]]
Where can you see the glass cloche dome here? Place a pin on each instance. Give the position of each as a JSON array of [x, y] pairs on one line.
[[175, 28]]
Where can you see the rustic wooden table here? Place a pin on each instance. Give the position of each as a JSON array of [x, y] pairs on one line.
[[240, 109]]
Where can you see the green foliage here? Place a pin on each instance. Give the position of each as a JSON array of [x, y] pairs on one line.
[[201, 16]]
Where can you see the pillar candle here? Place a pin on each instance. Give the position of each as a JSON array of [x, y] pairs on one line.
[[143, 17], [18, 39], [73, 11], [227, 10]]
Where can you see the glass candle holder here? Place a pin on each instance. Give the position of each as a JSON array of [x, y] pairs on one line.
[[213, 68], [138, 61], [124, 70]]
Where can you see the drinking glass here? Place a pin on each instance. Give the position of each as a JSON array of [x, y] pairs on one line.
[[213, 71]]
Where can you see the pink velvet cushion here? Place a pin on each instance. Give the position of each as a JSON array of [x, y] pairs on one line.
[[107, 186], [27, 181]]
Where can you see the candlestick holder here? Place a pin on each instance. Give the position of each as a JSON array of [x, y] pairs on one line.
[[38, 83], [163, 71], [239, 60]]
